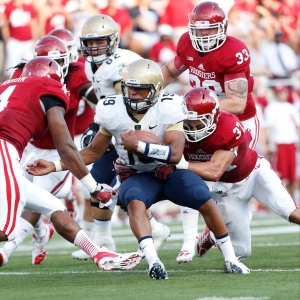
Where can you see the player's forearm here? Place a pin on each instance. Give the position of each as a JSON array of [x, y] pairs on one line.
[[233, 106], [206, 170]]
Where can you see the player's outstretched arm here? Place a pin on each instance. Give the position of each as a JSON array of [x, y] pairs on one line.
[[41, 167]]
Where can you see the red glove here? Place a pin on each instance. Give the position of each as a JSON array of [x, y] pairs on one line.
[[122, 169], [162, 171], [103, 192]]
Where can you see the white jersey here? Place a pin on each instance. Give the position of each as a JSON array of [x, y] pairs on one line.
[[111, 113], [109, 72]]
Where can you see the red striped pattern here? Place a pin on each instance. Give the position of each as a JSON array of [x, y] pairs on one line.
[[12, 189]]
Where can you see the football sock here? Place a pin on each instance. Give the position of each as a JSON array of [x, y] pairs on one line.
[[84, 243], [225, 245], [102, 231], [88, 228], [147, 246], [189, 218], [24, 229], [40, 228], [154, 224]]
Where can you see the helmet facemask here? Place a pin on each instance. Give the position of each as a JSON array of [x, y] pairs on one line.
[[137, 104], [106, 51], [209, 126], [210, 42]]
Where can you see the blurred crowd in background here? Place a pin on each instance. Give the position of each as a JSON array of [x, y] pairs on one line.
[[151, 28]]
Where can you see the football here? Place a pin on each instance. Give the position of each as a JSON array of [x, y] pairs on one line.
[[146, 136]]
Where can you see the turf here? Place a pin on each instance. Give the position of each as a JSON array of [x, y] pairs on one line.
[[274, 264]]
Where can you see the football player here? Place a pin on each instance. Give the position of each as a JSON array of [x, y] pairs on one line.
[[29, 105], [144, 106], [59, 185], [216, 149], [221, 63], [104, 66]]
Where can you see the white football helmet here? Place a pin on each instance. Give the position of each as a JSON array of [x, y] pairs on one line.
[[99, 27], [145, 74]]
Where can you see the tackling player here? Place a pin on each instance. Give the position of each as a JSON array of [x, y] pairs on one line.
[[217, 149], [30, 105], [144, 106], [221, 63]]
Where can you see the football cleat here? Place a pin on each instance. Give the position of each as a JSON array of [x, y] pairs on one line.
[[185, 256], [109, 260], [39, 250], [204, 243], [157, 270], [80, 255], [236, 267], [4, 257], [160, 234]]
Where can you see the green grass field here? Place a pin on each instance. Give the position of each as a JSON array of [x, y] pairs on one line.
[[274, 264]]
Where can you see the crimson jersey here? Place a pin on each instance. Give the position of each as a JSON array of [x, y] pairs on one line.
[[21, 113], [211, 70], [75, 79], [228, 134], [19, 19]]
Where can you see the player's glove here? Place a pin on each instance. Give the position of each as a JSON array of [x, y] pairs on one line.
[[122, 169], [162, 171], [103, 193], [89, 135]]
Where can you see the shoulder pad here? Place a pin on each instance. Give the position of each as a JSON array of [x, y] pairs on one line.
[[170, 109], [108, 111]]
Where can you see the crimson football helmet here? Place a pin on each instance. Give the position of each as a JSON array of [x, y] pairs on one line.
[[43, 67], [53, 47], [202, 105], [204, 17], [68, 38]]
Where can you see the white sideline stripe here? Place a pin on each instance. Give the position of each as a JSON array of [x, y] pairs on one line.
[[145, 272], [239, 298]]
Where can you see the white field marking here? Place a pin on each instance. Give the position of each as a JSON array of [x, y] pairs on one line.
[[145, 271], [122, 240], [239, 298]]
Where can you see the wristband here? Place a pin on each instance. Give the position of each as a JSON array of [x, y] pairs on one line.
[[183, 164], [161, 153], [89, 182], [57, 165]]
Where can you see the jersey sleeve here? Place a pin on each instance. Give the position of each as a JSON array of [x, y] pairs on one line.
[[181, 46], [170, 109], [229, 132], [76, 77], [236, 60]]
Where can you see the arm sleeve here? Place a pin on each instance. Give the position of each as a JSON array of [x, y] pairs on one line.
[[50, 101]]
